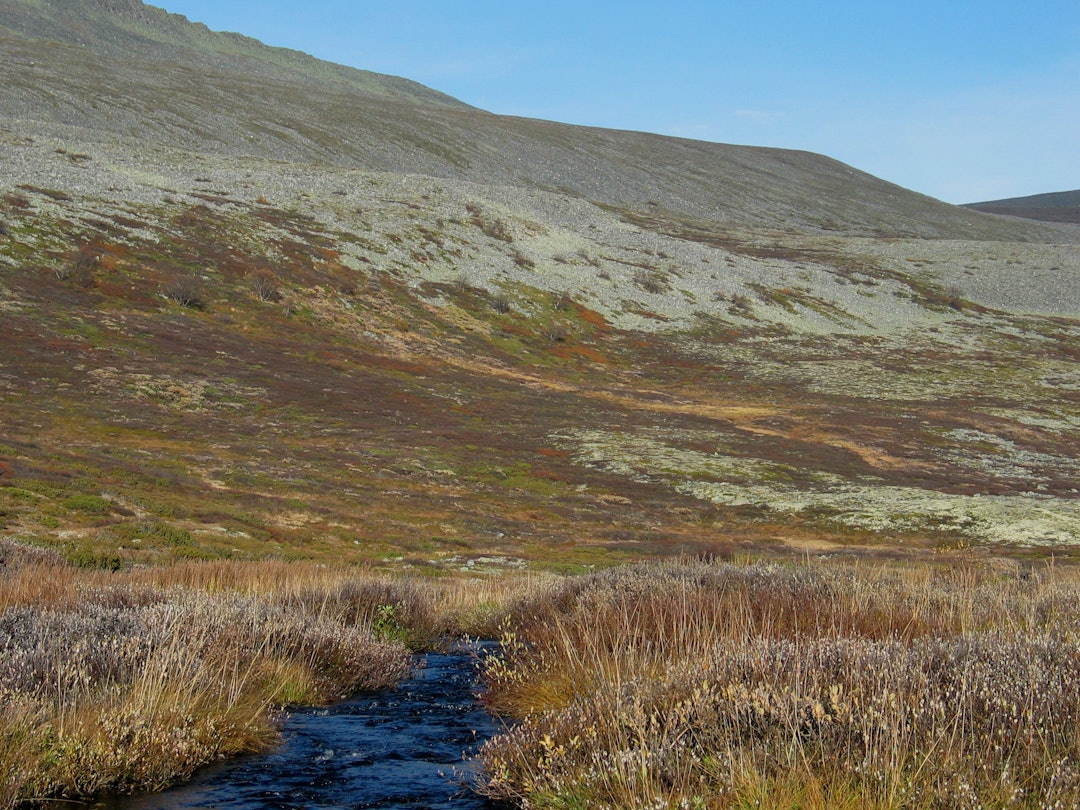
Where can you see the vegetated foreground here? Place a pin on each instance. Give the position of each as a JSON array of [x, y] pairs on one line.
[[698, 685], [131, 681], [684, 683]]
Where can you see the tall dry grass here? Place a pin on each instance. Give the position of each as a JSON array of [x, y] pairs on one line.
[[720, 686], [132, 680]]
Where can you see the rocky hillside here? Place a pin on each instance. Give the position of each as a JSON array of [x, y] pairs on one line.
[[103, 69], [249, 315], [134, 33]]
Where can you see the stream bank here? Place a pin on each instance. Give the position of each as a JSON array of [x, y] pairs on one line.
[[393, 749]]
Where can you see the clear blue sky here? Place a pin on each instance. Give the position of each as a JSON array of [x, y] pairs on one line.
[[965, 101]]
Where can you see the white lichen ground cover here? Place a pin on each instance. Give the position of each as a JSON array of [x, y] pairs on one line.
[[1025, 519]]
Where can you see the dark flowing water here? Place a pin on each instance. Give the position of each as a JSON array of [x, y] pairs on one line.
[[399, 748]]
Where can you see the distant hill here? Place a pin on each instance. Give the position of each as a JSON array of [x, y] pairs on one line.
[[99, 70], [1061, 206]]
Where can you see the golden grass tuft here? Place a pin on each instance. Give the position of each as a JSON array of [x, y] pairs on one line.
[[694, 684]]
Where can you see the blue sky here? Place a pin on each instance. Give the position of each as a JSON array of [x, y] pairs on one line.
[[965, 101]]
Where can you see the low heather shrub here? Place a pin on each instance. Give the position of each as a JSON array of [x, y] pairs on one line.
[[131, 680], [131, 688]]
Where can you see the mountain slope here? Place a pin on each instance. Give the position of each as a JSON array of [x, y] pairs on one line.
[[196, 95], [1061, 206], [291, 360], [252, 313]]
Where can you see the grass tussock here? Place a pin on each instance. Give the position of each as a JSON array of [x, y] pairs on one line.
[[132, 680], [719, 686]]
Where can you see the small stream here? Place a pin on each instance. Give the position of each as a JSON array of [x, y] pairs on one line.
[[398, 748]]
